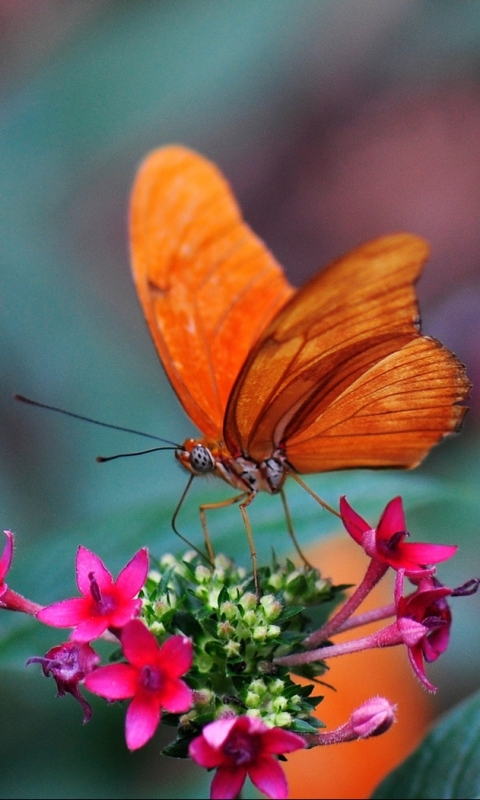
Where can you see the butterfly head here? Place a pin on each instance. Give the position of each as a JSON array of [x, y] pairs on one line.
[[196, 457]]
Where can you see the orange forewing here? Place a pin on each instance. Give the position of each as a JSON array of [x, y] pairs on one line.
[[206, 283], [337, 374]]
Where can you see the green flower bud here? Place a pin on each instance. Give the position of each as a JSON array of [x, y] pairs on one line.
[[248, 601], [259, 634], [271, 607], [273, 631], [252, 700], [225, 630]]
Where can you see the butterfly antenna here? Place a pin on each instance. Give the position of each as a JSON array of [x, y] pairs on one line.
[[173, 445], [174, 522], [103, 459]]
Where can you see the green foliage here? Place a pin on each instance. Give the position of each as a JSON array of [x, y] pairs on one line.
[[236, 637], [447, 763]]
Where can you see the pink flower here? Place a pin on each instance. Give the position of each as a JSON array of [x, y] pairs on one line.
[[5, 561], [427, 606], [238, 746], [68, 664], [386, 543], [151, 678], [105, 603], [372, 718], [10, 600]]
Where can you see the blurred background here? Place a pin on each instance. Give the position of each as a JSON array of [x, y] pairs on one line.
[[334, 122]]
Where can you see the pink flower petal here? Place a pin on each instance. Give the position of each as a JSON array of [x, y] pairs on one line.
[[89, 629], [177, 697], [267, 775], [216, 733], [416, 660], [143, 716], [7, 556], [353, 522], [435, 644], [276, 740], [227, 782], [205, 755], [127, 611], [251, 725], [424, 553], [139, 645], [115, 681], [176, 655], [87, 564], [392, 520], [66, 613], [133, 576]]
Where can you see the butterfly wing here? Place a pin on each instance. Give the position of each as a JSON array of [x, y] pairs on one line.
[[342, 377], [388, 417], [206, 283]]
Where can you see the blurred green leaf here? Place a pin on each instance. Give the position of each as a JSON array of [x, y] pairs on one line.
[[447, 763]]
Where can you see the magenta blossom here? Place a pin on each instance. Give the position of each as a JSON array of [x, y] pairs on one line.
[[68, 664], [386, 544], [5, 561], [10, 600], [105, 603], [241, 746], [427, 606], [151, 678]]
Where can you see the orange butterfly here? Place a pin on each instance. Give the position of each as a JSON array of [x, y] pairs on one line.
[[333, 376]]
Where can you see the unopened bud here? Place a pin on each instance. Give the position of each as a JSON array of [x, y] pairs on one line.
[[373, 717]]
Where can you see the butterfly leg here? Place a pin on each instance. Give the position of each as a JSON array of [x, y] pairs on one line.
[[174, 521], [244, 499], [251, 543], [203, 519], [291, 531]]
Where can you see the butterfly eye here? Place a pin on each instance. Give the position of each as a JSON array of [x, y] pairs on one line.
[[201, 459]]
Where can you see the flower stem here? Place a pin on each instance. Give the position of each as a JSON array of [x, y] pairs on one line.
[[12, 601], [386, 637], [375, 571]]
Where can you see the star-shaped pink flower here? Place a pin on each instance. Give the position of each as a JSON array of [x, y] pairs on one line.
[[105, 603], [241, 746], [152, 678], [386, 543], [427, 606]]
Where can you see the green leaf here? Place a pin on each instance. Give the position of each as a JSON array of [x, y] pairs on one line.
[[187, 623], [302, 726], [447, 763]]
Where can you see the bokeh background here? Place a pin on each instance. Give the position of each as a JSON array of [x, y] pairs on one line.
[[334, 122]]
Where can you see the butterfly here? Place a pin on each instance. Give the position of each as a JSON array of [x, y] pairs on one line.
[[279, 382]]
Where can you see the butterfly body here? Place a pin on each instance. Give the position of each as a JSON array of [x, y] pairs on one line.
[[201, 457]]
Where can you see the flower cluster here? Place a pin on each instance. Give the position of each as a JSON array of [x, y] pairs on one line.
[[214, 650], [423, 617]]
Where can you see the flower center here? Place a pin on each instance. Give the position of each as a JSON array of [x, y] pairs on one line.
[[105, 604], [395, 539], [151, 678], [240, 748]]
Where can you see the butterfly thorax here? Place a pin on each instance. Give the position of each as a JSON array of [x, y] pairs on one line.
[[204, 457]]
